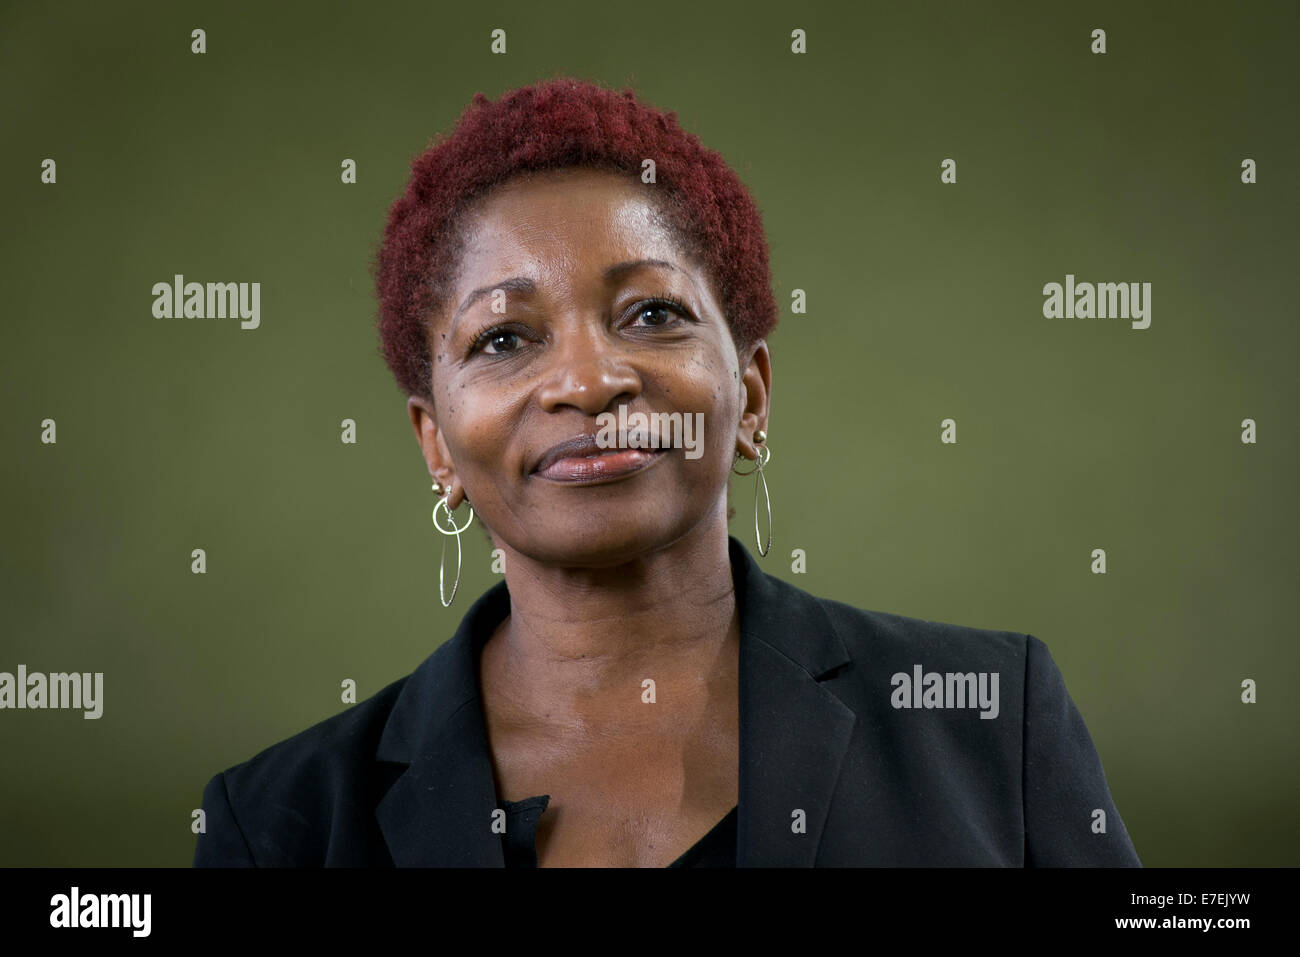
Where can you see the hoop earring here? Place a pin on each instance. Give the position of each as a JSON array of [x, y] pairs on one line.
[[442, 503], [764, 454]]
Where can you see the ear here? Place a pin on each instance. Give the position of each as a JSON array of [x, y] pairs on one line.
[[424, 417], [756, 386]]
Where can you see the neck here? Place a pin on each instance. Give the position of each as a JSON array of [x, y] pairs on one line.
[[580, 642]]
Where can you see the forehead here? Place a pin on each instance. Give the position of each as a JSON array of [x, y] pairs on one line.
[[576, 219]]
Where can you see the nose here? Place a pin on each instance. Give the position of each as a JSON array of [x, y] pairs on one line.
[[588, 373]]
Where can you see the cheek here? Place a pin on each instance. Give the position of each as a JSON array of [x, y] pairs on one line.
[[710, 392], [713, 391], [473, 427], [700, 378]]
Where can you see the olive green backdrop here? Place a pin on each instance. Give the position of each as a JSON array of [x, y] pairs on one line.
[[924, 303]]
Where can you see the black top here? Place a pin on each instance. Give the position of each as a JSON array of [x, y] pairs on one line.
[[519, 842], [866, 739]]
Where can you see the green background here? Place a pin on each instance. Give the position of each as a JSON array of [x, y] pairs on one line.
[[924, 302]]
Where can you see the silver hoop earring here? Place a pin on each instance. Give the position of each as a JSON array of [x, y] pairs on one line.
[[442, 503], [764, 454]]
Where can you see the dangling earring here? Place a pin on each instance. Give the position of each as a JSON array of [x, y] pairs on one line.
[[764, 453], [442, 503]]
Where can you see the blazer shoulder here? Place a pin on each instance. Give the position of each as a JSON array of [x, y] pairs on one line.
[[344, 738], [873, 633], [277, 807], [1036, 770]]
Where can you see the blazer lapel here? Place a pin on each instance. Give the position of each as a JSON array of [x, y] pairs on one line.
[[793, 731], [439, 811]]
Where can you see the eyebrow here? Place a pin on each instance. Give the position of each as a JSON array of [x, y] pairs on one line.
[[526, 284]]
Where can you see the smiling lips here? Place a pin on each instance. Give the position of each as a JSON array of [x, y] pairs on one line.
[[580, 460]]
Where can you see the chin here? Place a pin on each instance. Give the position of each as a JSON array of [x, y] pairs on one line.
[[591, 541]]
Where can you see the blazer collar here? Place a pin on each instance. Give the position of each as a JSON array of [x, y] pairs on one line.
[[793, 734]]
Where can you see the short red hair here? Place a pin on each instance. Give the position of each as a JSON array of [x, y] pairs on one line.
[[559, 123]]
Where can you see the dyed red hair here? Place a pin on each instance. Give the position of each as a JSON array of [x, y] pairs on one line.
[[559, 123]]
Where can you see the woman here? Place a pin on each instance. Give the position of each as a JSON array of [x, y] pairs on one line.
[[637, 692]]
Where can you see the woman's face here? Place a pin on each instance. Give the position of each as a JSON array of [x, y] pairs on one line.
[[553, 321]]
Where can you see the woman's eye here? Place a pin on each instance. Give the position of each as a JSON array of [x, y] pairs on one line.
[[495, 342], [501, 342], [659, 313]]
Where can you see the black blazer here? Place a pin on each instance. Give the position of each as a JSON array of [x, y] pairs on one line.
[[842, 763]]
